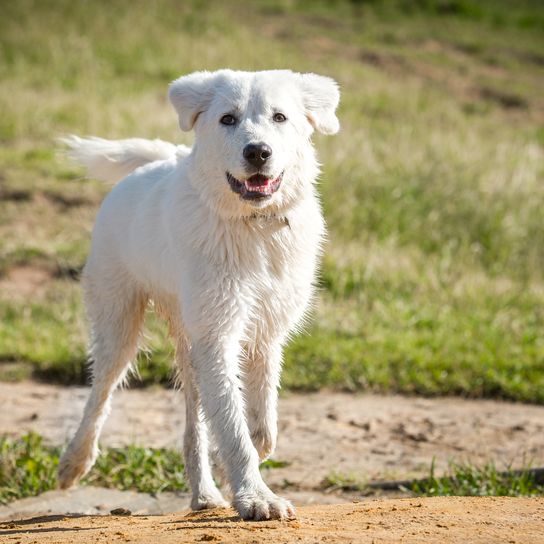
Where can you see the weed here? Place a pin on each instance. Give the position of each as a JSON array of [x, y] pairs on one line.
[[461, 479], [28, 467], [464, 479]]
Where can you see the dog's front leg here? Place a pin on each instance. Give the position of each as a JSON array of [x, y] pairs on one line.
[[215, 362]]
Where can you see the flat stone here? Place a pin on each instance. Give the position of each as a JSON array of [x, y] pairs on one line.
[[91, 500]]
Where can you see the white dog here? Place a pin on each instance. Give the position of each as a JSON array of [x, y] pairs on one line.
[[224, 239]]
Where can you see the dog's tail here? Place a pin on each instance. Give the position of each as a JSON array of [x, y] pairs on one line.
[[112, 160]]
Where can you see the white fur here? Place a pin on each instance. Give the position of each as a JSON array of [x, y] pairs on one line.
[[232, 277], [111, 161]]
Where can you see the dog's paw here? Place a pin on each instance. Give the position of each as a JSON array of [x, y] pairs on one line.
[[69, 473], [264, 442], [208, 500], [262, 505], [72, 467]]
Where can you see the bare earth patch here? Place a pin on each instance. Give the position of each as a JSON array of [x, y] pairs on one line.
[[23, 281], [443, 519]]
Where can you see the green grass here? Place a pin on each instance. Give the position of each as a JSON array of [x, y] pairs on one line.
[[433, 281], [461, 479], [467, 480], [28, 467], [337, 481]]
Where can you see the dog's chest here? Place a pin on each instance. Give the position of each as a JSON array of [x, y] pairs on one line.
[[275, 251], [258, 273], [278, 278]]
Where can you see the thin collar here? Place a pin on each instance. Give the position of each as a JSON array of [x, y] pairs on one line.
[[255, 217]]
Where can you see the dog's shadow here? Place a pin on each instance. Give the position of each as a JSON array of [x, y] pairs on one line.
[[218, 518], [16, 527], [208, 518]]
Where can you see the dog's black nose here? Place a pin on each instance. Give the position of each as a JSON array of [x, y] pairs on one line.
[[257, 154]]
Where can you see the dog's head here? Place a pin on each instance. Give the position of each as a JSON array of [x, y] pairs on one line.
[[252, 148]]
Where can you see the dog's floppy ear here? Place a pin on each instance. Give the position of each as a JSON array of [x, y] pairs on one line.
[[321, 96], [190, 96]]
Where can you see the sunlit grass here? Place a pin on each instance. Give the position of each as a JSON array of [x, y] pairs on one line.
[[464, 479], [28, 467], [433, 280], [460, 479]]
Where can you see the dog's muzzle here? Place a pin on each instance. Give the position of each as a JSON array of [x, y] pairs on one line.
[[256, 187]]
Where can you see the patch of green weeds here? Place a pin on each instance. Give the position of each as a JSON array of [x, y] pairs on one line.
[[461, 479], [464, 479], [337, 481], [28, 467]]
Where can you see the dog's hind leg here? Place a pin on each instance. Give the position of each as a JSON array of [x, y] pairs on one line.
[[262, 379], [115, 310], [196, 444]]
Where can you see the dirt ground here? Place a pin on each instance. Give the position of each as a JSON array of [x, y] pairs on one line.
[[368, 437], [443, 519]]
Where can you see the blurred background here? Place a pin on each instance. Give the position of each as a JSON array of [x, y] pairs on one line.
[[433, 279]]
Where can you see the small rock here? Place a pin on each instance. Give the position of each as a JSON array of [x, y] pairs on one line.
[[120, 512], [369, 425]]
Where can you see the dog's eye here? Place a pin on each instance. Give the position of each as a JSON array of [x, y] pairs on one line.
[[228, 120], [279, 118]]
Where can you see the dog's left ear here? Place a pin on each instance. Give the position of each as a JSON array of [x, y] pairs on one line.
[[190, 95], [321, 97]]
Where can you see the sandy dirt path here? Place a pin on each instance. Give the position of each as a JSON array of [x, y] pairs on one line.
[[444, 519], [367, 436]]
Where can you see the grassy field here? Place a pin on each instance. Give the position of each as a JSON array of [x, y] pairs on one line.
[[433, 280]]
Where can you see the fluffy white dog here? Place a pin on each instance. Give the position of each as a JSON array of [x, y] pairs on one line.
[[224, 238]]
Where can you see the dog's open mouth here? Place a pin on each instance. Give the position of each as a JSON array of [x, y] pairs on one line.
[[256, 187]]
